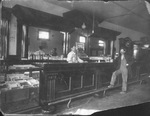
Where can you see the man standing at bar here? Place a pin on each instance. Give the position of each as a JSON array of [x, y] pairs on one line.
[[124, 61]]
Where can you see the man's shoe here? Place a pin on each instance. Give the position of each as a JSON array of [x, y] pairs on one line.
[[123, 92], [110, 86]]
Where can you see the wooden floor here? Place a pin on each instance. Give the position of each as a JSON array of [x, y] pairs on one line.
[[136, 94]]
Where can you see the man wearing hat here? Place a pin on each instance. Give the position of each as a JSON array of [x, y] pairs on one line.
[[124, 61]]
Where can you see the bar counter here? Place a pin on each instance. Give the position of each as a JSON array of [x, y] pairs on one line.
[[60, 82], [66, 81]]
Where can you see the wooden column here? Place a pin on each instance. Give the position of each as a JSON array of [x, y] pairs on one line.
[[26, 42], [0, 29], [19, 38]]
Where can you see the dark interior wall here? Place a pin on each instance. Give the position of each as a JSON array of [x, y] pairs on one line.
[[95, 49], [74, 37], [55, 41], [94, 42]]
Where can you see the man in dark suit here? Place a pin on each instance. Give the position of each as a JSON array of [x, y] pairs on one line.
[[124, 62]]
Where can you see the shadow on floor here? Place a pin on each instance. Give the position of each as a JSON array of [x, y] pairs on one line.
[[137, 94]]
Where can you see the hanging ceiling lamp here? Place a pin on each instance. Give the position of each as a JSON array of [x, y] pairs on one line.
[[88, 32], [93, 25], [69, 1], [83, 26]]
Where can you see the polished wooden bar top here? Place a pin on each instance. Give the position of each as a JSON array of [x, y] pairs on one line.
[[75, 66]]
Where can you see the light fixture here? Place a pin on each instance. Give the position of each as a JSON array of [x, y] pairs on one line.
[[83, 26], [89, 32], [106, 1], [69, 1], [146, 45], [93, 22], [147, 6], [92, 31]]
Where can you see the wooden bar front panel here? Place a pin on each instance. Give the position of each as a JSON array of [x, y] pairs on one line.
[[61, 81]]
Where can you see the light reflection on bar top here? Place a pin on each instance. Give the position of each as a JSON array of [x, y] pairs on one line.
[[46, 58], [98, 59], [102, 59]]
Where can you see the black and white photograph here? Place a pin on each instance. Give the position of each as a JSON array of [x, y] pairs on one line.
[[75, 57]]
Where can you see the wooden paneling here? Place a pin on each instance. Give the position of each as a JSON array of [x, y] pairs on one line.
[[61, 81]]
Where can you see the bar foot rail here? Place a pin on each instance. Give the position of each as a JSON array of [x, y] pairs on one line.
[[69, 102]]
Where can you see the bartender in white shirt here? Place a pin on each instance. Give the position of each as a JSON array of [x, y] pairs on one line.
[[72, 56]]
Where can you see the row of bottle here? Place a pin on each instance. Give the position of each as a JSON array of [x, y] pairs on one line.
[[44, 57], [106, 59]]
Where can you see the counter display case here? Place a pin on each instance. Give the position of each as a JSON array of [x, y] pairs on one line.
[[21, 89]]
